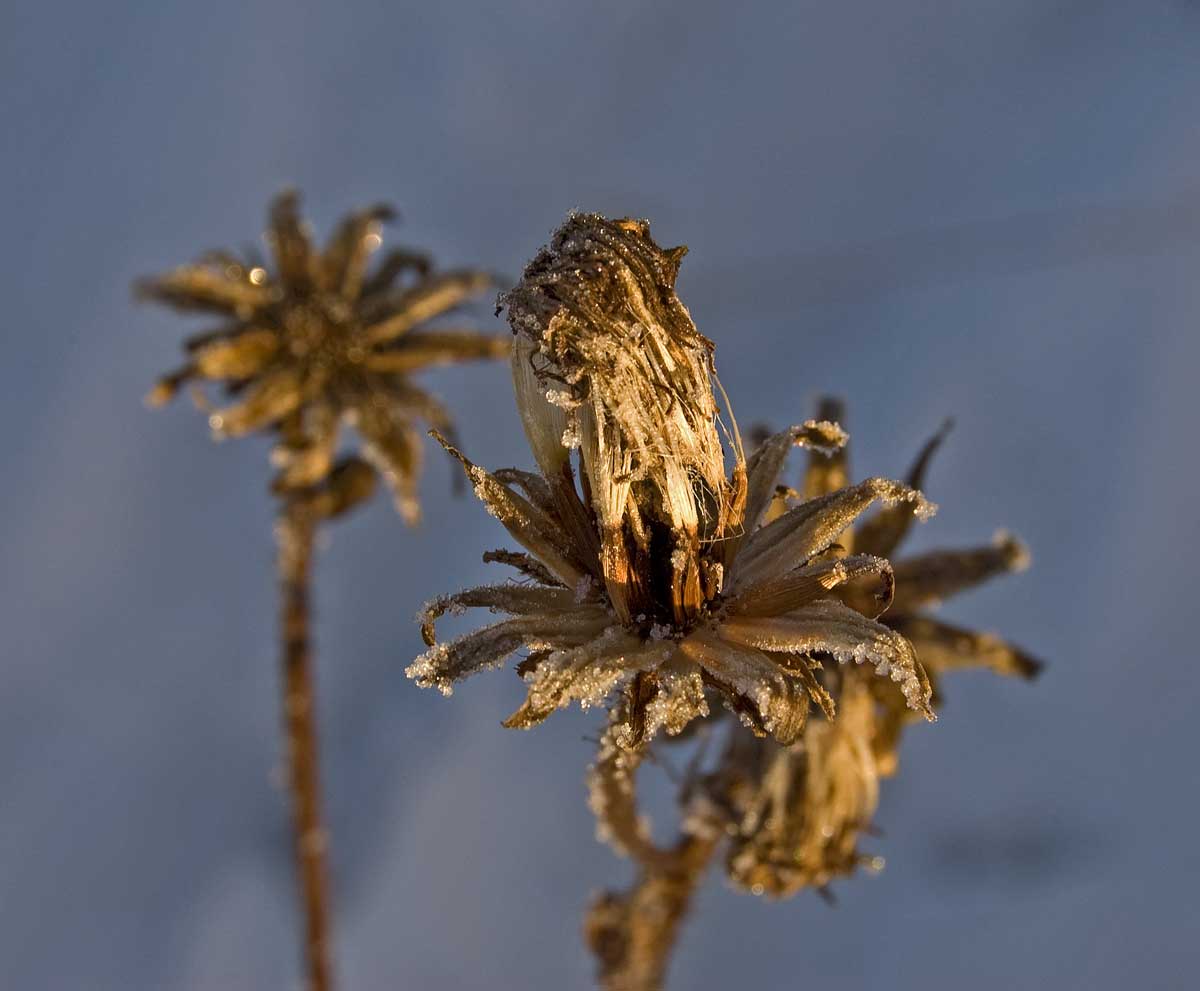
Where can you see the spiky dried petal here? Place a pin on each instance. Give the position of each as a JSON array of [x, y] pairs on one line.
[[742, 671], [813, 526], [942, 647], [516, 600], [930, 578], [448, 662], [831, 627]]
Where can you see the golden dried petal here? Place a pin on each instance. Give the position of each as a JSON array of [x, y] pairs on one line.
[[351, 483], [395, 263], [400, 312], [529, 526], [942, 647], [587, 674], [393, 445], [930, 578], [205, 288], [295, 259], [167, 387], [831, 627], [883, 532], [798, 588], [344, 261], [767, 461], [516, 600], [240, 356], [425, 349], [524, 563], [812, 527], [445, 663], [306, 456], [741, 671], [265, 401]]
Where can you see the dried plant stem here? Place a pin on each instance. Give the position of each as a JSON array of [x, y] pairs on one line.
[[633, 933], [295, 535]]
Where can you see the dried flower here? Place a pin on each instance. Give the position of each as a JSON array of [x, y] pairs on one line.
[[657, 573], [323, 341], [799, 811]]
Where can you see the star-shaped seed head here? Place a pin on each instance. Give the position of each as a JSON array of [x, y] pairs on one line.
[[320, 340]]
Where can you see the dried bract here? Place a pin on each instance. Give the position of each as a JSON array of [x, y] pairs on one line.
[[320, 341]]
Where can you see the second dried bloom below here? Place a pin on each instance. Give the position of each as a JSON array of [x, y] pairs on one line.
[[653, 569]]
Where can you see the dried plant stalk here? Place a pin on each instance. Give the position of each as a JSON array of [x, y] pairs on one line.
[[319, 343], [296, 529], [633, 933]]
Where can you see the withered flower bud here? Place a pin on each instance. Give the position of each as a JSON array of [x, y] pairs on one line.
[[604, 342]]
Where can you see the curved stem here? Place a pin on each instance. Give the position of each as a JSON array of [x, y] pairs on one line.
[[295, 536], [633, 933]]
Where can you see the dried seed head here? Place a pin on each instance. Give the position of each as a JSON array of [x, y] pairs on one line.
[[320, 341], [608, 358]]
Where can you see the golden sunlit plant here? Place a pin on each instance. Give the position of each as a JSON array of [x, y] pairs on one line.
[[320, 341], [792, 816], [665, 576]]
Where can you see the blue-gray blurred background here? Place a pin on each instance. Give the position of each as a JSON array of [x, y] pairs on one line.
[[986, 210]]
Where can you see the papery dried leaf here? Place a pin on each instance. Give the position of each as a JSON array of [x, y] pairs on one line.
[[816, 799]]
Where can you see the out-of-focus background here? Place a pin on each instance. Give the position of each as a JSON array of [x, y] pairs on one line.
[[989, 210]]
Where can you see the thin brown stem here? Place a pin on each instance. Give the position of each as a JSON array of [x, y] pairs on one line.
[[633, 933], [295, 535]]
